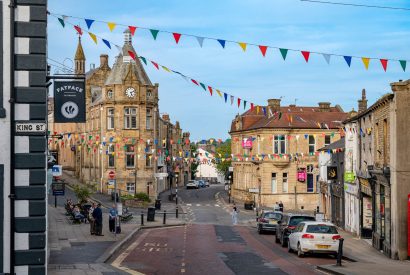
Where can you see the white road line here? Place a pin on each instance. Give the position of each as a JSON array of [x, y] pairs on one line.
[[189, 204], [217, 205], [198, 204]]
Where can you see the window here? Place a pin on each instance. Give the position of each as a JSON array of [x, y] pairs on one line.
[[110, 118], [130, 118], [110, 94], [311, 144], [129, 156], [148, 156], [279, 144], [384, 141], [149, 94], [111, 156], [149, 118], [274, 183], [131, 188], [327, 140], [285, 183]]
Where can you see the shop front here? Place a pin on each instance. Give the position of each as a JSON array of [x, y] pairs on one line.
[[337, 199], [366, 208], [351, 208]]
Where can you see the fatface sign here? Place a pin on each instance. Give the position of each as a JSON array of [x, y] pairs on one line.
[[247, 143], [69, 101]]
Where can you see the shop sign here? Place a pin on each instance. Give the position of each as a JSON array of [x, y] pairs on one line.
[[349, 177], [253, 190], [352, 189], [332, 172], [247, 143], [69, 101], [301, 175]]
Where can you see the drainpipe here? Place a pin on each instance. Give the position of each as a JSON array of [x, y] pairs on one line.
[[12, 7]]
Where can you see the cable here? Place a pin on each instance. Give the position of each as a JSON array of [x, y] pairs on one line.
[[62, 64], [356, 5]]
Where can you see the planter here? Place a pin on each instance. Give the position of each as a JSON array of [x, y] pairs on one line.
[[136, 203]]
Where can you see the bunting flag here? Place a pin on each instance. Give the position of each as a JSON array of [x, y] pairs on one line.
[[384, 64], [244, 104], [155, 65], [366, 61], [154, 33], [202, 85], [222, 42], [111, 26], [144, 60], [131, 54], [348, 60], [210, 90], [284, 53], [232, 98], [195, 82], [239, 102], [226, 97], [177, 36], [106, 43], [219, 93], [251, 107], [78, 29], [89, 22], [132, 29], [166, 69], [93, 37], [243, 46], [306, 55]]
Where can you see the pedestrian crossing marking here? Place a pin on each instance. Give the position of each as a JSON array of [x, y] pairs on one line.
[[198, 204], [217, 205], [189, 204]]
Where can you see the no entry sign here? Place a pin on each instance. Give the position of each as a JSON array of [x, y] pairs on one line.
[[111, 175], [69, 101]]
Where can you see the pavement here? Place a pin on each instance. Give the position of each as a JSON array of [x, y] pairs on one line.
[[73, 250]]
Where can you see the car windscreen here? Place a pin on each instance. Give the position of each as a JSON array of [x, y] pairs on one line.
[[321, 229], [295, 220], [270, 215]]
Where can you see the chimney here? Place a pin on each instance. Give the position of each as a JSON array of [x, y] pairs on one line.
[[324, 106], [363, 102], [103, 60], [165, 117], [274, 104]]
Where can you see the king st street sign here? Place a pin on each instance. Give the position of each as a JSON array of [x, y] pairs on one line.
[[23, 128], [69, 101]]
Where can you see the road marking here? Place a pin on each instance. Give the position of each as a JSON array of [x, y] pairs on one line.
[[198, 204], [150, 249], [183, 264], [189, 204], [217, 205], [208, 204], [183, 270]]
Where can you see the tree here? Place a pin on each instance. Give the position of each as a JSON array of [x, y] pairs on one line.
[[223, 151], [194, 165], [82, 193]]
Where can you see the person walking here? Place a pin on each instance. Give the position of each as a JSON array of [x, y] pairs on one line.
[[97, 215], [111, 218], [281, 206], [91, 219], [235, 215]]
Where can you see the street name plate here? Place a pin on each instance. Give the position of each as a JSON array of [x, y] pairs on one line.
[[30, 128], [253, 190]]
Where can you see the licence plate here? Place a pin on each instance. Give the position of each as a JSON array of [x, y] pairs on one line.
[[273, 222], [322, 246]]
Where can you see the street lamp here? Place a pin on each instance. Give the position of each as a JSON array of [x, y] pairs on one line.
[[229, 188], [176, 189]]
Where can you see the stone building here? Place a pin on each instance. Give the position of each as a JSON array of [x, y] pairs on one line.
[[123, 129], [274, 152], [382, 175]]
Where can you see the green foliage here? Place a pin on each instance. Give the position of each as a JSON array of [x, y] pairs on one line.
[[194, 165], [126, 197], [142, 197], [82, 193], [224, 149]]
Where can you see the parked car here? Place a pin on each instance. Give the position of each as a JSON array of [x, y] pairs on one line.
[[289, 222], [268, 220], [201, 183], [314, 237], [192, 184], [206, 183]]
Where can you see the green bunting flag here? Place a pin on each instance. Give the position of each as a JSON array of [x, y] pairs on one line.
[[154, 33], [403, 64], [283, 52], [203, 86], [143, 59], [61, 22]]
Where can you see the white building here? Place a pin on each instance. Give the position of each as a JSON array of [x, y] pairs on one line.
[[207, 167]]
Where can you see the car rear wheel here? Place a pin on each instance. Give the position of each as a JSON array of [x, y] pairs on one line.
[[300, 253], [260, 231]]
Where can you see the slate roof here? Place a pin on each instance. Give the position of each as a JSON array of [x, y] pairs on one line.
[[335, 145]]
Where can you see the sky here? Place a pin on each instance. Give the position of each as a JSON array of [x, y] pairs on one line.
[[293, 24]]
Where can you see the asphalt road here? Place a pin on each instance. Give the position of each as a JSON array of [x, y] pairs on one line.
[[209, 244]]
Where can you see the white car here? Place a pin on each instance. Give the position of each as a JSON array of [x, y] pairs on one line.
[[314, 237], [192, 184]]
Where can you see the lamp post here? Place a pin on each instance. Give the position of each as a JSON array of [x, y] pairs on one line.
[[229, 188], [176, 189]]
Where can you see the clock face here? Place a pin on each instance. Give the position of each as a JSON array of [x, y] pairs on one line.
[[130, 92], [110, 94]]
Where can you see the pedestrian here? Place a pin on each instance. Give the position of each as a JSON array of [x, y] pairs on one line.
[[235, 215], [91, 219], [281, 206], [111, 218], [97, 215], [276, 206]]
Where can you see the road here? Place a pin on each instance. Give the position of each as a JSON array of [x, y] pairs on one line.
[[209, 244]]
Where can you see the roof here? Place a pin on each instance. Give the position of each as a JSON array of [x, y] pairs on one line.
[[79, 54], [335, 145], [292, 117]]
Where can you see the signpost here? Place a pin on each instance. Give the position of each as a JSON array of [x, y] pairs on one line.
[[58, 188], [112, 180]]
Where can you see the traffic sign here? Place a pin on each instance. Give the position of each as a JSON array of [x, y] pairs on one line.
[[57, 170], [111, 175], [111, 184]]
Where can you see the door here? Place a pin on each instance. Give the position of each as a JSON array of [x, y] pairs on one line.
[[310, 183]]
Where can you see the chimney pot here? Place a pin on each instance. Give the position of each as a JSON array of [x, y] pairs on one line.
[[274, 104], [324, 106], [103, 60]]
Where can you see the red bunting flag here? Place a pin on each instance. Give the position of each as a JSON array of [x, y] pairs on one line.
[[263, 50], [132, 29], [195, 82], [251, 107], [155, 64], [177, 36], [306, 55], [79, 30], [210, 90], [239, 102], [131, 54], [384, 63]]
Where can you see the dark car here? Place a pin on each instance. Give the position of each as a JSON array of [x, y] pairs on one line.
[[287, 224], [268, 220]]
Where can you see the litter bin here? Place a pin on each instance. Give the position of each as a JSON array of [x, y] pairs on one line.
[[151, 214], [158, 204]]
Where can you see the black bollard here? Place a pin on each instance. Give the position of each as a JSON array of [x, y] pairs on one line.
[[165, 216], [340, 253], [176, 212], [142, 218]]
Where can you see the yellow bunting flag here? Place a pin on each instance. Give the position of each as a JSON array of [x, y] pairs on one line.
[[219, 93], [366, 61], [93, 37], [257, 109], [111, 25], [242, 45], [166, 69]]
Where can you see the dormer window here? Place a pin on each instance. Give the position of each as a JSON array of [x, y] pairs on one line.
[[149, 94]]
